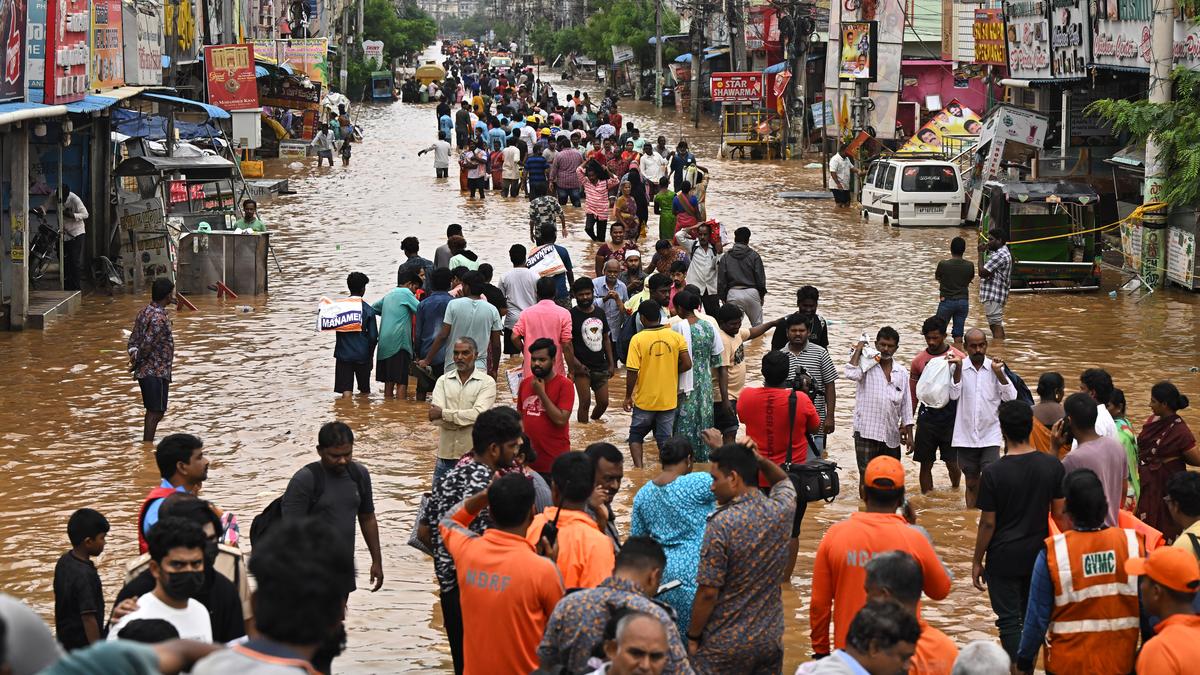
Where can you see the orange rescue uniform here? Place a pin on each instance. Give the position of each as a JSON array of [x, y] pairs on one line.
[[935, 653], [507, 592], [1094, 625], [1177, 643], [585, 554], [840, 570]]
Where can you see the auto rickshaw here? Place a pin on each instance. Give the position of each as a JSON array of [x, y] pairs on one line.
[[1051, 233]]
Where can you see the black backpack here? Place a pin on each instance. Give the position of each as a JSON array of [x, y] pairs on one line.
[[264, 521], [1023, 393]]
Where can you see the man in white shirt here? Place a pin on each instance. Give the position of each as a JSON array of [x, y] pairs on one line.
[[177, 563], [1097, 383], [519, 287], [882, 408], [71, 215], [839, 170], [511, 170], [323, 142], [654, 165], [441, 155], [702, 270], [979, 388]]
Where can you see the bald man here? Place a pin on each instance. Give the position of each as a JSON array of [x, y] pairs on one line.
[[979, 385], [640, 647]]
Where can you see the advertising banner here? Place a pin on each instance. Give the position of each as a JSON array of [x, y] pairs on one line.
[[35, 50], [141, 26], [12, 32], [307, 57], [1070, 39], [108, 59], [67, 54], [953, 120], [736, 87], [1181, 256], [857, 60], [229, 70], [1028, 32], [989, 37], [1122, 33]]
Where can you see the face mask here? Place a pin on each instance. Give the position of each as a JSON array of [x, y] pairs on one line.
[[184, 585]]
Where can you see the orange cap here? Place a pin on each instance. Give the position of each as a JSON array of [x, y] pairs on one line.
[[884, 473], [1175, 568]]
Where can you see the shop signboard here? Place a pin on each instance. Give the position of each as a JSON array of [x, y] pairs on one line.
[[736, 87], [1070, 38], [621, 54], [265, 47], [308, 57], [988, 31], [857, 59], [373, 51], [1027, 28], [67, 55], [1187, 43], [948, 25], [108, 59], [1122, 33], [150, 245], [142, 28], [12, 34], [35, 50], [229, 71]]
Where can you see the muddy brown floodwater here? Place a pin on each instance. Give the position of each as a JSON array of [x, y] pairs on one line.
[[256, 386]]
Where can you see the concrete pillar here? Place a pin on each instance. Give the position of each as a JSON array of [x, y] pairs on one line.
[[18, 139]]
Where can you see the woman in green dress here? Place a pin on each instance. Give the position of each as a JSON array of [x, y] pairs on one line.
[[695, 413]]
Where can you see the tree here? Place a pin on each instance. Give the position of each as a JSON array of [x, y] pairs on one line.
[[615, 22], [403, 30], [1174, 125], [478, 25]]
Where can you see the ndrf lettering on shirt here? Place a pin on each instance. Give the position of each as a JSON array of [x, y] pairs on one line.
[[486, 580], [859, 558]]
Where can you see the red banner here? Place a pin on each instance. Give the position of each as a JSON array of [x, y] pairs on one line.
[[67, 53], [736, 87], [230, 72]]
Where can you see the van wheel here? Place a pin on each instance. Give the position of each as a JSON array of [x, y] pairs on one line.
[[887, 222], [866, 216]]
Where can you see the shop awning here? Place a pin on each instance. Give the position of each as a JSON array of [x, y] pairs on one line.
[[208, 167], [709, 54], [783, 65], [213, 111], [926, 62], [20, 110]]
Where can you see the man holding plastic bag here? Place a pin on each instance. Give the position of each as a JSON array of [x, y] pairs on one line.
[[930, 379], [882, 411]]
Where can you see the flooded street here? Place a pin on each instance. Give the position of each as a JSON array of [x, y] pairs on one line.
[[256, 386]]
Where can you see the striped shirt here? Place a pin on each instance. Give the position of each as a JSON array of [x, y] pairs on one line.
[[596, 194], [816, 362]]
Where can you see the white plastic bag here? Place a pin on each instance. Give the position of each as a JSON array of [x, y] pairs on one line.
[[933, 389], [870, 355]]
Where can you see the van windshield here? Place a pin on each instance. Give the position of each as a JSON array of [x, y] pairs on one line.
[[929, 179]]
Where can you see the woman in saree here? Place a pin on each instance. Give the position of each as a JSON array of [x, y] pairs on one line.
[[624, 211], [1166, 446]]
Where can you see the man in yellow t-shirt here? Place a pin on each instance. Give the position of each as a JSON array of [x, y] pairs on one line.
[[657, 355]]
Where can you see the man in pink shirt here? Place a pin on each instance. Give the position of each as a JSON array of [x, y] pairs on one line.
[[545, 319]]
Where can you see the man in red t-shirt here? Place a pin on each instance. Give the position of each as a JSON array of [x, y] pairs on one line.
[[765, 412], [935, 426], [546, 400]]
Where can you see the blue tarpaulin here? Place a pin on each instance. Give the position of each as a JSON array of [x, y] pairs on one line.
[[212, 110], [91, 104], [154, 127]]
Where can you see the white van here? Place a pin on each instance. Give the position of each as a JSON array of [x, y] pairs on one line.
[[913, 193]]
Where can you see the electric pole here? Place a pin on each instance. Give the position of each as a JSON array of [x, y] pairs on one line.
[[658, 51], [1162, 39], [342, 73], [737, 34], [696, 30]]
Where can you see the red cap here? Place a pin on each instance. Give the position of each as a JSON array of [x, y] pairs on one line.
[[1175, 568], [884, 473]]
